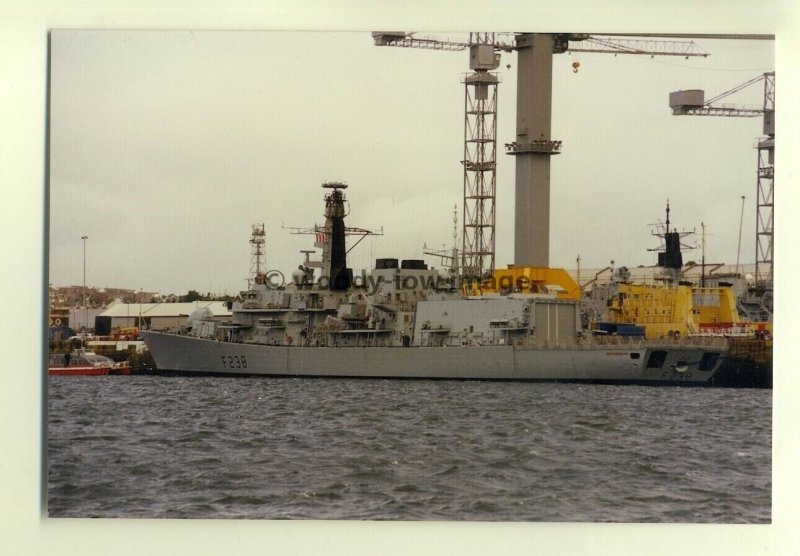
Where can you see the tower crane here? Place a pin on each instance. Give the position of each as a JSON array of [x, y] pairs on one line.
[[693, 103], [533, 145], [480, 140]]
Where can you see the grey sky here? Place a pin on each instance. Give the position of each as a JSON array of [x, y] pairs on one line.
[[167, 145]]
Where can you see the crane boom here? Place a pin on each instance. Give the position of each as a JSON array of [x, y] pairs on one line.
[[406, 40], [728, 36], [692, 102], [607, 45], [575, 43], [728, 110]]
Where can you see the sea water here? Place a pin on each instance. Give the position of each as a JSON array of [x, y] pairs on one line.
[[295, 448]]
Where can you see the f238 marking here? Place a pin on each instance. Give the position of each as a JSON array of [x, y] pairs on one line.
[[233, 361]]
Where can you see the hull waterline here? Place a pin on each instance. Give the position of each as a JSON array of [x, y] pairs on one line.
[[626, 363]]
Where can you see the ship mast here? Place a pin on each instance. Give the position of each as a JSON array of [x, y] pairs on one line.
[[454, 261], [451, 255], [330, 237], [703, 259], [334, 252], [257, 258], [669, 252]]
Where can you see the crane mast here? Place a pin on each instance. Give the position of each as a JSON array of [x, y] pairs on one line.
[[765, 189], [533, 146], [480, 158]]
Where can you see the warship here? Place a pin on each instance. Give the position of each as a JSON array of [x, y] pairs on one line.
[[403, 319]]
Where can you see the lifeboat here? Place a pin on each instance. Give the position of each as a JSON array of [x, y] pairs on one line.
[[82, 362]]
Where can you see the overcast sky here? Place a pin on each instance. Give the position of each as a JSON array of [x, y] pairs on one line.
[[167, 145]]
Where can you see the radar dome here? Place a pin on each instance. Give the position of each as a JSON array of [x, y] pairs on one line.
[[199, 314]]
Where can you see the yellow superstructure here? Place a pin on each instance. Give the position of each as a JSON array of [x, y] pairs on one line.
[[669, 310]]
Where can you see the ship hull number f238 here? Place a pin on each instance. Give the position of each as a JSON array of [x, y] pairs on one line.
[[233, 361]]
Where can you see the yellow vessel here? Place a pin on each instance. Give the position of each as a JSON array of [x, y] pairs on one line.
[[676, 310]]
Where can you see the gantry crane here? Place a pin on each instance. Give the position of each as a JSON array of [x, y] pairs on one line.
[[533, 145], [692, 102]]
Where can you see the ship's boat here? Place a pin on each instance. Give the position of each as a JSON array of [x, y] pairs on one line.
[[405, 320], [86, 363]]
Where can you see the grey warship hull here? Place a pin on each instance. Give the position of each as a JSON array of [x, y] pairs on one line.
[[624, 363]]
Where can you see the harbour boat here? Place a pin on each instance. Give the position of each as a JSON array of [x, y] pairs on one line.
[[405, 320], [82, 362]]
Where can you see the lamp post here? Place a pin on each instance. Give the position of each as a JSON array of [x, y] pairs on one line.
[[739, 248], [85, 308]]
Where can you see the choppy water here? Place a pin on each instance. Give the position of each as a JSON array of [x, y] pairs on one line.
[[189, 447]]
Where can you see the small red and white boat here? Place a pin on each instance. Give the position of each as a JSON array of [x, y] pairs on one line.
[[85, 363]]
